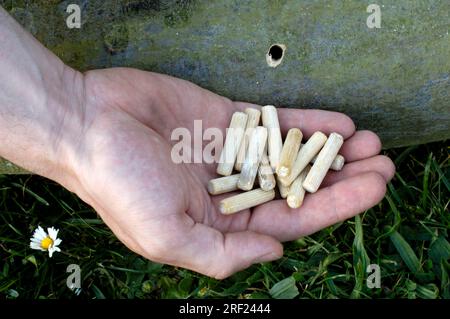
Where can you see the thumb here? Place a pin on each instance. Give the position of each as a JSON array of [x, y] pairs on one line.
[[219, 255]]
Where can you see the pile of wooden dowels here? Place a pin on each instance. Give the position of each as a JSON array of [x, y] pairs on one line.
[[259, 156]]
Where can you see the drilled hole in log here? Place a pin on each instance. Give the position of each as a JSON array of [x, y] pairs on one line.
[[275, 55]]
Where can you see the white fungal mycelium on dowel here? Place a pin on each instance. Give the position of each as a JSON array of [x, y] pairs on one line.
[[296, 192], [338, 162], [253, 157], [284, 190], [289, 152], [233, 140], [245, 200], [270, 121], [254, 116], [266, 177], [323, 162]]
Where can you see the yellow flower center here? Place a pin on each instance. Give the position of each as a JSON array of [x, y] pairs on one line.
[[46, 243]]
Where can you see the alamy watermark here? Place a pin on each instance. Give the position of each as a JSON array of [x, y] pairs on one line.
[[190, 146], [374, 19], [73, 281], [73, 21], [374, 278]]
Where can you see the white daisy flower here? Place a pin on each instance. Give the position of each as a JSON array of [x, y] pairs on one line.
[[45, 241]]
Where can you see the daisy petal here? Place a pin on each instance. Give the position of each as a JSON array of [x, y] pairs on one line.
[[40, 232], [53, 233], [36, 247], [52, 250]]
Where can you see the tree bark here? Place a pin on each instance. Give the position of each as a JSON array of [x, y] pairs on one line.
[[394, 80]]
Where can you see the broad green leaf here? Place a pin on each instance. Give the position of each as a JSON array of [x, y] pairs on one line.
[[185, 284], [97, 292], [31, 259], [439, 250], [406, 252], [284, 289], [439, 253]]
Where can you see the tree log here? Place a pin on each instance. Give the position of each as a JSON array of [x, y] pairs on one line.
[[394, 80], [7, 167]]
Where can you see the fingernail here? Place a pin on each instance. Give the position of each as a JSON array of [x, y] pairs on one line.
[[267, 257]]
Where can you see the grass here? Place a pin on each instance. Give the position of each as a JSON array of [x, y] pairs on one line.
[[406, 235]]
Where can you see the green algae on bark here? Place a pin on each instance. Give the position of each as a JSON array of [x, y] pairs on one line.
[[7, 167]]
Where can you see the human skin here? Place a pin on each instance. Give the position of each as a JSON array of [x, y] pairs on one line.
[[105, 135]]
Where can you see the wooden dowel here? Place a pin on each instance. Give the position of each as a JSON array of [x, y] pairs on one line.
[[266, 177], [338, 162], [223, 185], [323, 163], [296, 191], [245, 200], [304, 157], [232, 143], [254, 116], [284, 190], [289, 152], [270, 121], [255, 152]]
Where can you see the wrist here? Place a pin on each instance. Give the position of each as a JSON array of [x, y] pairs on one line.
[[41, 124], [41, 104], [64, 131]]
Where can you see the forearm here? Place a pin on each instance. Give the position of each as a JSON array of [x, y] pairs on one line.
[[40, 102]]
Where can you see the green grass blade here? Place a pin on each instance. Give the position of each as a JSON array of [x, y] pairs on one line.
[[439, 253], [430, 291], [403, 155], [36, 196], [397, 219], [426, 179], [406, 252], [441, 175], [360, 258]]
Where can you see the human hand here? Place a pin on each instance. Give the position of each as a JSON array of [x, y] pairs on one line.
[[106, 136], [162, 211]]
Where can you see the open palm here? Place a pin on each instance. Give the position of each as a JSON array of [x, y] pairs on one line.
[[162, 210]]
